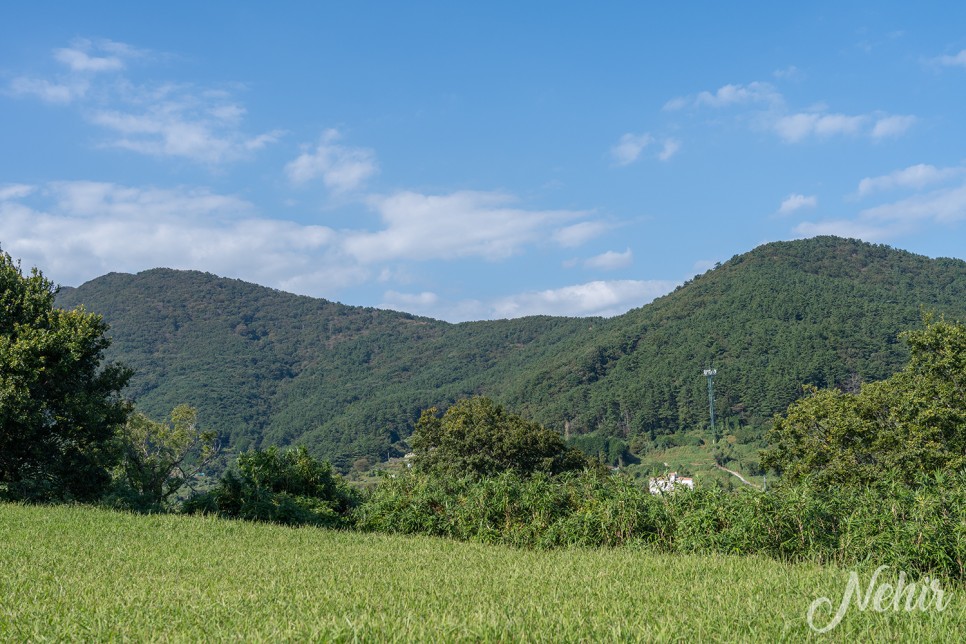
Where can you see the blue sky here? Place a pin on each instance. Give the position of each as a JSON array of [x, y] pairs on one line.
[[474, 161]]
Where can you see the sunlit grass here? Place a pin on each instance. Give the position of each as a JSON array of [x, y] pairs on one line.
[[78, 573]]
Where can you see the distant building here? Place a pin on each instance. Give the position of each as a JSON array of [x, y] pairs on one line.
[[662, 484]]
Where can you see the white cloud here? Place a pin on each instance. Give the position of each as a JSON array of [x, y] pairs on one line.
[[604, 298], [942, 206], [15, 191], [460, 224], [161, 119], [411, 302], [891, 220], [729, 95], [610, 260], [796, 127], [95, 56], [889, 126], [341, 168], [795, 202], [47, 91], [600, 298], [629, 148], [957, 60], [791, 126], [846, 228], [81, 61], [677, 103], [915, 176], [788, 72], [96, 199], [185, 126], [671, 147], [86, 229], [579, 233]]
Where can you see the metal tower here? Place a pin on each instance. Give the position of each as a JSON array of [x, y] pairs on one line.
[[710, 374]]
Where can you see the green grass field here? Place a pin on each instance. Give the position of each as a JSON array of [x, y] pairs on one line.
[[83, 574]]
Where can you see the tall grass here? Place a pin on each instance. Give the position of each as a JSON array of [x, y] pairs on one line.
[[79, 574]]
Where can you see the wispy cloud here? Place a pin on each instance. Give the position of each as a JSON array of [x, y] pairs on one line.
[[157, 119], [915, 177], [891, 220], [787, 72], [793, 128], [578, 234], [954, 60], [10, 191], [770, 112], [341, 168], [670, 148], [890, 126], [80, 59], [629, 148], [48, 91], [794, 202], [611, 260], [729, 95], [183, 127]]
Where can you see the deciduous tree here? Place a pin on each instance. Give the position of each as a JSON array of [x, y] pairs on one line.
[[60, 405], [477, 437]]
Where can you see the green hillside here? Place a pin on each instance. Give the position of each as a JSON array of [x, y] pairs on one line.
[[268, 367]]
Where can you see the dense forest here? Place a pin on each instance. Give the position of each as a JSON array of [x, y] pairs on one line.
[[265, 367]]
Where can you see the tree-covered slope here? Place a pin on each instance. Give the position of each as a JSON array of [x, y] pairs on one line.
[[263, 366], [269, 367], [823, 311]]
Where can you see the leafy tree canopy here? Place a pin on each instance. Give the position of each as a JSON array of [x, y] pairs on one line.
[[911, 424], [281, 486], [477, 437], [59, 407], [161, 458]]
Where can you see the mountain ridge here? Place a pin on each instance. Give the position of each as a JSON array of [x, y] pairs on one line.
[[268, 367]]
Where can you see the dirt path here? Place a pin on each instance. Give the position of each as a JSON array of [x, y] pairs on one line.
[[740, 477]]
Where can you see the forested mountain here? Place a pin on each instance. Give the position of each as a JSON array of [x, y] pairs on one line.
[[266, 367]]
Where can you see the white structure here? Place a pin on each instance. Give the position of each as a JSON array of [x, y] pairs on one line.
[[662, 484]]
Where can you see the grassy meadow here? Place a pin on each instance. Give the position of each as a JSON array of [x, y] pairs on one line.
[[88, 574]]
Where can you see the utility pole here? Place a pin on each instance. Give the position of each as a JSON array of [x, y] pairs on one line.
[[710, 374]]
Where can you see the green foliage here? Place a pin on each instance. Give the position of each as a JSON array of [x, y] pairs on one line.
[[607, 449], [280, 486], [907, 425], [59, 407], [161, 458], [270, 368], [918, 528], [477, 437]]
